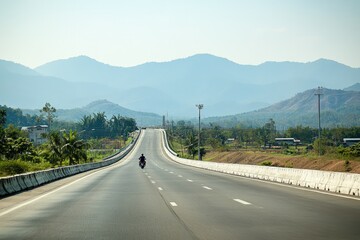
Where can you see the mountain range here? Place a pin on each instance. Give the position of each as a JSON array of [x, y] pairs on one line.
[[169, 88], [339, 108]]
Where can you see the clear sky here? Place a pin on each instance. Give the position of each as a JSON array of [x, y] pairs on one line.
[[132, 32]]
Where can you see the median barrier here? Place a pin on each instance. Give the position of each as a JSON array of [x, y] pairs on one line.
[[339, 182], [28, 181], [21, 181], [33, 180], [40, 178], [11, 185], [3, 191]]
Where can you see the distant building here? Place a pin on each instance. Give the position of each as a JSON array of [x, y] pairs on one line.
[[37, 134], [350, 141], [288, 141], [229, 140]]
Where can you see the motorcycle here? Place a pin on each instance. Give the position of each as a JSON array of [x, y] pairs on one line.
[[142, 164]]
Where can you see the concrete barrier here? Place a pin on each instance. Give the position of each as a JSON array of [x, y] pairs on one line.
[[3, 191], [21, 181], [339, 182], [11, 185], [14, 184], [28, 181]]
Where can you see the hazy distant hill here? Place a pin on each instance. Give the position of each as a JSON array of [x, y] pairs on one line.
[[110, 109], [170, 88], [224, 87], [355, 87], [338, 108], [8, 68]]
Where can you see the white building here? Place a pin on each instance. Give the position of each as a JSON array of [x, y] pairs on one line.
[[37, 134], [288, 141]]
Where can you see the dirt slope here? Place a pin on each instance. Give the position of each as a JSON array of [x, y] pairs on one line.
[[305, 162]]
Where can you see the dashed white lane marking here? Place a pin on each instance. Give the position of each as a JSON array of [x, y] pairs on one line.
[[153, 182], [149, 176], [160, 189], [242, 201], [189, 180], [173, 204], [172, 172], [207, 188], [180, 176]]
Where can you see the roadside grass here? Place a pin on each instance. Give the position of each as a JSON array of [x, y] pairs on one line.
[[289, 157]]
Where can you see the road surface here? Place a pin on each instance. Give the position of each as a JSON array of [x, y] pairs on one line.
[[171, 201]]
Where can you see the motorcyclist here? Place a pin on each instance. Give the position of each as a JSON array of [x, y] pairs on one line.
[[142, 159]]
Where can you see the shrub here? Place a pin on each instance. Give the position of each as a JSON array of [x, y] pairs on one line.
[[13, 167], [266, 163]]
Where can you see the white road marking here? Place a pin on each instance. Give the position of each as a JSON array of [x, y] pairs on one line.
[[173, 204], [189, 180], [207, 188], [180, 176], [153, 182], [149, 176], [160, 189], [172, 172], [242, 201]]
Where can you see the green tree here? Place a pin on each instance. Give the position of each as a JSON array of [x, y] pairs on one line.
[[2, 117], [74, 148], [191, 145], [2, 132], [268, 132], [54, 153], [49, 112]]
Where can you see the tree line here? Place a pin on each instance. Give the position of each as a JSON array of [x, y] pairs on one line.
[[97, 126], [216, 137], [64, 146]]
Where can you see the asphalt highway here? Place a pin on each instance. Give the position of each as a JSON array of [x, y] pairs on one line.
[[167, 200]]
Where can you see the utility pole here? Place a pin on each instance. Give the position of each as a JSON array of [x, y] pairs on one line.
[[319, 93], [199, 106]]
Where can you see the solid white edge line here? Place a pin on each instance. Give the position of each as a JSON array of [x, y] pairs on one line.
[[46, 194], [242, 201], [260, 180], [118, 164]]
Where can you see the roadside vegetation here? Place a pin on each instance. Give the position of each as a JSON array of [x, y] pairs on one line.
[[90, 140], [257, 146]]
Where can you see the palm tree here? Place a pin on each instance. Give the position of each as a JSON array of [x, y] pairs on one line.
[[55, 144], [74, 149]]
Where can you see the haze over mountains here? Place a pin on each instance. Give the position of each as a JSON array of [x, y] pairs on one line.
[[173, 88], [339, 108]]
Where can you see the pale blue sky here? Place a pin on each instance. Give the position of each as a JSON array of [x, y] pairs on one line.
[[128, 33]]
